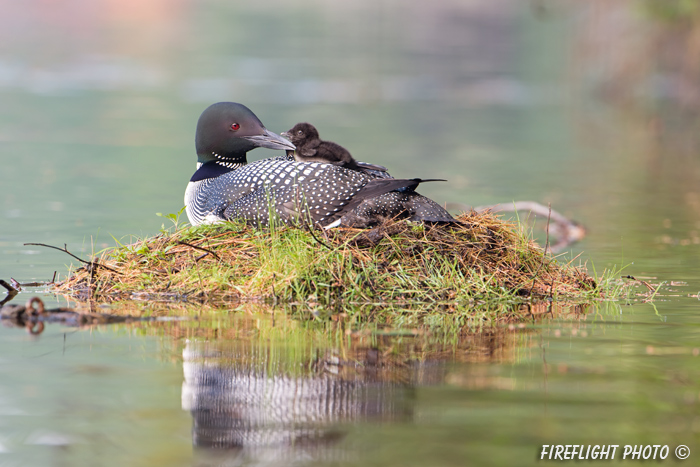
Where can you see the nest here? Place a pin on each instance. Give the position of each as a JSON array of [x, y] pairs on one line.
[[480, 257]]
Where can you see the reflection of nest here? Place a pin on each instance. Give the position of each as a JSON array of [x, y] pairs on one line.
[[256, 395]]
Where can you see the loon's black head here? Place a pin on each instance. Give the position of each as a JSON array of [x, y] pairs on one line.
[[227, 130], [301, 133]]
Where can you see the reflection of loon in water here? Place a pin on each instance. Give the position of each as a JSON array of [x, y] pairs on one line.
[[242, 398]]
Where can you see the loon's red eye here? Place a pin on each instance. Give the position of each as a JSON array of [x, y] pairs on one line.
[[235, 126]]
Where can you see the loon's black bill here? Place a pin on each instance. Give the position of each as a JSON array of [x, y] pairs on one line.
[[270, 140]]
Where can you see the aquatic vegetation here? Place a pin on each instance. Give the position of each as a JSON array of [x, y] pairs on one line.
[[482, 258]]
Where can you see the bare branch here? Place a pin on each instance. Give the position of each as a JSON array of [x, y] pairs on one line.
[[65, 250], [10, 289], [11, 292]]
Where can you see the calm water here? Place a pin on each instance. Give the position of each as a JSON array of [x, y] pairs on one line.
[[99, 104]]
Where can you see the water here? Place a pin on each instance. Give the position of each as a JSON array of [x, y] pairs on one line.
[[96, 137]]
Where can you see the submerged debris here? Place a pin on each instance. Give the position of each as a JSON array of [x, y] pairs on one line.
[[33, 315], [481, 257]]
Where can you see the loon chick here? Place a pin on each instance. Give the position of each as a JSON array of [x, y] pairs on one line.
[[311, 148], [226, 187]]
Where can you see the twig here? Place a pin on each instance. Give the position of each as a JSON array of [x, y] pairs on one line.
[[311, 231], [9, 288], [652, 290], [308, 223], [645, 283], [274, 294], [549, 216], [650, 298], [11, 292], [92, 263], [546, 246], [199, 248], [33, 284]]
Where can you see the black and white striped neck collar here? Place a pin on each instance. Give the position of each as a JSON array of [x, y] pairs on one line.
[[230, 164]]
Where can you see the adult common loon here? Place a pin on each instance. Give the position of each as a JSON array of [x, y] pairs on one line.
[[226, 187]]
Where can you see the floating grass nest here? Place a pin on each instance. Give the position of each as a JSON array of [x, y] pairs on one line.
[[480, 258]]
